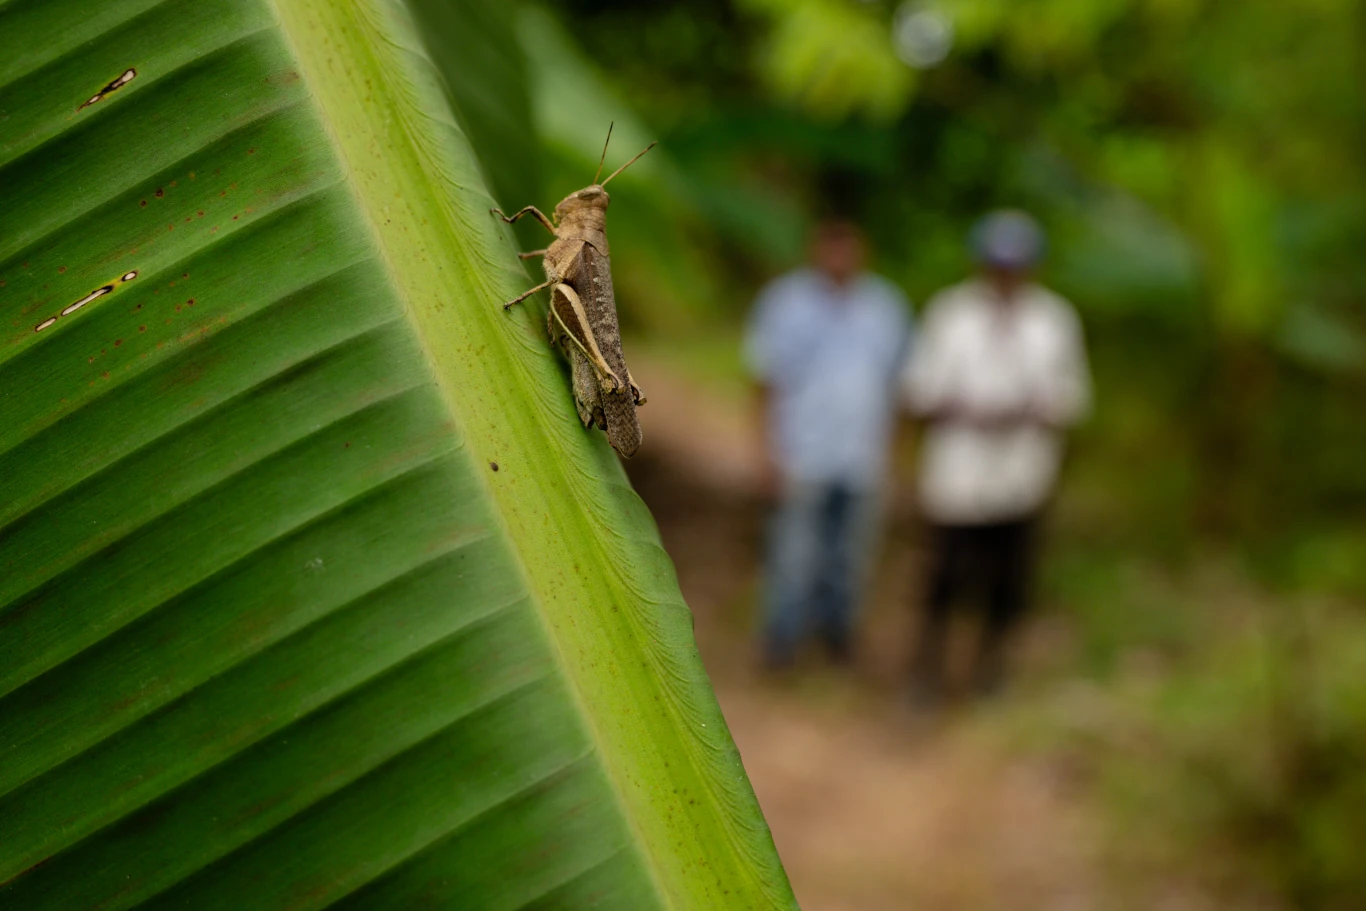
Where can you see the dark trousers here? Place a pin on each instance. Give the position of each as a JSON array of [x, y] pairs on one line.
[[991, 563]]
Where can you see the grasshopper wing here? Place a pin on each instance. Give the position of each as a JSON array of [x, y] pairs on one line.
[[592, 277]]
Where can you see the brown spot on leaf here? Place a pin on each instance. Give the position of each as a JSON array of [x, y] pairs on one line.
[[113, 85]]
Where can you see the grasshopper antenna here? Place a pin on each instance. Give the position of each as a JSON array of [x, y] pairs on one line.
[[598, 172], [629, 163]]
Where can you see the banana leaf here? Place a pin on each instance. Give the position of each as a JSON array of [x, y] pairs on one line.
[[475, 48], [313, 591]]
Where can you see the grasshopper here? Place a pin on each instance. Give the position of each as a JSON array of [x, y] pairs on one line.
[[583, 309]]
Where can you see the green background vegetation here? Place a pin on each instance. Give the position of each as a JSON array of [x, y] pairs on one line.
[[1197, 166]]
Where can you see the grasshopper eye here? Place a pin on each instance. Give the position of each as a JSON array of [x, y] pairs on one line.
[[593, 195]]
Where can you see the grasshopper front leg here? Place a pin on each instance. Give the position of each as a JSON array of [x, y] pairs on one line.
[[528, 210]]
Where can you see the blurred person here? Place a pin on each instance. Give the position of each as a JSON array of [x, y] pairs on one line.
[[825, 345], [997, 374]]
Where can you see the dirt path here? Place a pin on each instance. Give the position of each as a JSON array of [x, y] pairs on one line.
[[869, 814], [871, 808]]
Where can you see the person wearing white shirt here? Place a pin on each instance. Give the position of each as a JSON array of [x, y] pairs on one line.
[[997, 374], [825, 346]]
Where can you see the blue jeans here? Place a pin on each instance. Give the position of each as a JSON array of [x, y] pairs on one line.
[[819, 541]]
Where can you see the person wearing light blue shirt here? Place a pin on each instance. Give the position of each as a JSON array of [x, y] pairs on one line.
[[825, 346]]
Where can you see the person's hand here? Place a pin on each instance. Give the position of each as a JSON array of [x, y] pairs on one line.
[[954, 411], [1042, 417], [1030, 414], [957, 412], [770, 481]]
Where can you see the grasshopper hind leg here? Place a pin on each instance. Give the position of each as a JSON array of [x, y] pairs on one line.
[[570, 322]]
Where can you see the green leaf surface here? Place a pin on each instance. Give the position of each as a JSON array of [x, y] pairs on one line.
[[313, 592], [483, 68]]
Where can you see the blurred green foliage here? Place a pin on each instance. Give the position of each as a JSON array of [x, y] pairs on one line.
[[1243, 768], [465, 36], [830, 57], [1196, 162]]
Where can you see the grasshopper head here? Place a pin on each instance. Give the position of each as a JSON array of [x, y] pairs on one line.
[[590, 197]]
